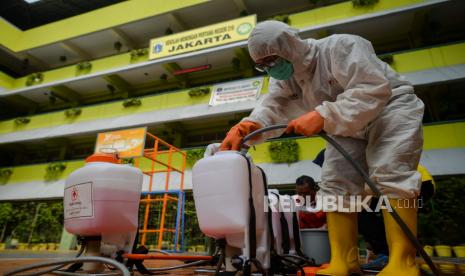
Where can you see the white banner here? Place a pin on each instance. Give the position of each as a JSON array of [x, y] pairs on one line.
[[239, 91]]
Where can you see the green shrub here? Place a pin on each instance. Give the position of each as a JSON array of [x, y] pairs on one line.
[[285, 151], [194, 155], [442, 220]]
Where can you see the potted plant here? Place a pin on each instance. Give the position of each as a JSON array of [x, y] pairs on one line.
[[73, 112], [22, 121], [199, 91], [132, 102], [138, 53], [54, 170], [34, 78], [285, 151], [5, 174], [84, 67]]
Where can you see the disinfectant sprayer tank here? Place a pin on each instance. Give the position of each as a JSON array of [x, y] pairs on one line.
[[102, 197], [221, 188]]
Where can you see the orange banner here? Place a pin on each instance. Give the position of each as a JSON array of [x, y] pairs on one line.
[[127, 142]]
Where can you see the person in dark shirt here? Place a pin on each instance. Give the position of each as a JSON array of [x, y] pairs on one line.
[[306, 188]]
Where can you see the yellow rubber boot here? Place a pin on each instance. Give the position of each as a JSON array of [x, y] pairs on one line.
[[342, 231], [401, 251]]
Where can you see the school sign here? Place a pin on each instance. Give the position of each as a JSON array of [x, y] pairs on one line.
[[202, 38]]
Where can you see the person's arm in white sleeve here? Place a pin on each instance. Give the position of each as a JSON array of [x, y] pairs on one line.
[[272, 109], [357, 69]]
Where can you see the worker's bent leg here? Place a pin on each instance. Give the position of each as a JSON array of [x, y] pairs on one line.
[[401, 250], [395, 141], [340, 179], [394, 147]]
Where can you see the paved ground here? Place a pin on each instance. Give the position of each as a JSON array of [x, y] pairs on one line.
[[14, 259], [11, 259]]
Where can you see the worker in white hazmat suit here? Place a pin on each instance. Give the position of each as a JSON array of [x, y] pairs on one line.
[[337, 84]]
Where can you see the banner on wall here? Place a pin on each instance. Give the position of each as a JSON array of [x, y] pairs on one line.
[[238, 91], [127, 142], [202, 38]]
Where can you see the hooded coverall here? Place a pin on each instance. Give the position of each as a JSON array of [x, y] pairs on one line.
[[367, 108]]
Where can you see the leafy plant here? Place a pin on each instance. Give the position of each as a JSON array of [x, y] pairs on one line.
[[132, 102], [364, 3], [22, 120], [285, 151], [34, 78], [199, 91], [138, 53], [283, 18], [54, 170], [5, 174], [84, 66], [194, 155], [73, 112], [441, 220]]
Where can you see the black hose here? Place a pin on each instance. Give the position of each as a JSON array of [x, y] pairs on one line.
[[45, 271], [372, 186], [114, 263], [196, 263], [297, 265], [305, 260]]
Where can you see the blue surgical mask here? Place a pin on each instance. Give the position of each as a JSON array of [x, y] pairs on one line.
[[282, 70]]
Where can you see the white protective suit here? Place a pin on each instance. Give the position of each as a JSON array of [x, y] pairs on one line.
[[368, 108]]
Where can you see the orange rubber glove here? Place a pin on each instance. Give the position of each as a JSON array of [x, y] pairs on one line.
[[235, 135], [308, 124]]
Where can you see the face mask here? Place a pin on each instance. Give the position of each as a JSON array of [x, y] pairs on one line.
[[283, 70]]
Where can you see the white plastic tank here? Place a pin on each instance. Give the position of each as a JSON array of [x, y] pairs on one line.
[[221, 193], [102, 197]]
